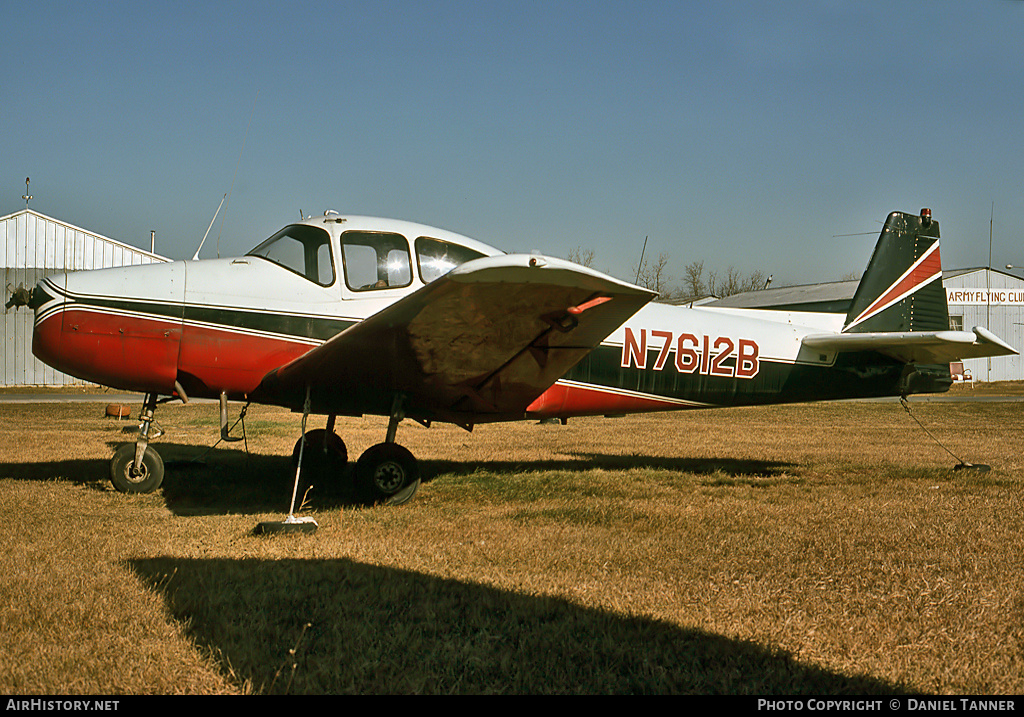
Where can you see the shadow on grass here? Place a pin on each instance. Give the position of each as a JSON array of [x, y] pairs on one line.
[[618, 462], [364, 629], [80, 471], [202, 481]]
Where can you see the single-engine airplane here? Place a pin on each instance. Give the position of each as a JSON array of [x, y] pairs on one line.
[[350, 315]]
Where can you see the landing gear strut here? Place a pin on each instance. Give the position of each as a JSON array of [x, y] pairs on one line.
[[137, 467]]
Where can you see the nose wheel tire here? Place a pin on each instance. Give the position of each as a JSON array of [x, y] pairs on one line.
[[127, 479], [387, 473]]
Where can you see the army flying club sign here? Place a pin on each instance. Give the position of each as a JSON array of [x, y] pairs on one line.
[[981, 297]]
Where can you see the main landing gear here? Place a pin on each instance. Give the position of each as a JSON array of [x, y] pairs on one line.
[[386, 473]]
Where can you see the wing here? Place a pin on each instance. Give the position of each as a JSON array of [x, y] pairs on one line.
[[927, 347], [478, 344]]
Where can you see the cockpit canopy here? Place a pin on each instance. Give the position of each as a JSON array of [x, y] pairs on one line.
[[370, 259]]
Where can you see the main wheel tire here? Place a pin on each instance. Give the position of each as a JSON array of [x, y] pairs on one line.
[[124, 476], [387, 473], [336, 452]]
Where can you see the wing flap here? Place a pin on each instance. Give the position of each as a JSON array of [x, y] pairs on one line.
[[480, 343], [926, 347]]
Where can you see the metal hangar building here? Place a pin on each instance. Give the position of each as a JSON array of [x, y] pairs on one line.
[[32, 246], [993, 299]]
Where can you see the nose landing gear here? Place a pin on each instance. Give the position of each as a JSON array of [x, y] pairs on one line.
[[137, 467]]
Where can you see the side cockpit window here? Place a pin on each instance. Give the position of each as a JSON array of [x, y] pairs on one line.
[[375, 260], [303, 249], [436, 258]]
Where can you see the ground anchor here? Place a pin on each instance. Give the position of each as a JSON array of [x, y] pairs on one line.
[[980, 467], [291, 524]]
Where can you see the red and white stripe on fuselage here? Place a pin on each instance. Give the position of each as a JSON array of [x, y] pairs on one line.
[[576, 398], [149, 353]]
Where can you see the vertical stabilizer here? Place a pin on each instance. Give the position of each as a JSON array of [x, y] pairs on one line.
[[901, 289]]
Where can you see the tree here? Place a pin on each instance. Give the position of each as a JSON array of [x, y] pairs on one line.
[[696, 281], [654, 276], [693, 279], [581, 256], [736, 283]]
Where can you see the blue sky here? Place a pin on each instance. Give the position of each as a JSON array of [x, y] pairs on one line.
[[742, 134]]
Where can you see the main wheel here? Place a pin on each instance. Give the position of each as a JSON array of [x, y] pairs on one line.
[[387, 473], [124, 476], [324, 460], [322, 448]]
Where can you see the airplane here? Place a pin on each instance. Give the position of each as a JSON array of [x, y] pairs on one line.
[[343, 315]]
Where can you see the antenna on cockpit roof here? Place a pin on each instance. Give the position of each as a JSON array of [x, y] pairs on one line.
[[195, 256]]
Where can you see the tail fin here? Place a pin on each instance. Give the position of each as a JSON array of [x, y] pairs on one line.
[[901, 289], [900, 310]]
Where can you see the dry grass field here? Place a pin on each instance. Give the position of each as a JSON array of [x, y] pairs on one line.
[[810, 549]]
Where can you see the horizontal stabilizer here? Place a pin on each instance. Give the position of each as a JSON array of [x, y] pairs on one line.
[[926, 347]]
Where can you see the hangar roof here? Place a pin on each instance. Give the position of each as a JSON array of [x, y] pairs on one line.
[[30, 240], [832, 297], [950, 273]]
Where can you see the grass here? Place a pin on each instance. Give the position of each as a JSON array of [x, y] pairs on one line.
[[813, 549]]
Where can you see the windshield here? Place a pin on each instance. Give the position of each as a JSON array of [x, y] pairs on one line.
[[303, 249]]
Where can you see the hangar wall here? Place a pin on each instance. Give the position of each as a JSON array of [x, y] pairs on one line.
[[994, 300], [32, 246]]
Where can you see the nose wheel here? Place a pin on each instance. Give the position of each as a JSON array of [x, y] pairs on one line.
[[127, 478], [137, 467]]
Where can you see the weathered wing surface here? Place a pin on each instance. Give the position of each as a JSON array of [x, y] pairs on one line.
[[478, 344], [926, 347]]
